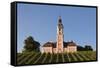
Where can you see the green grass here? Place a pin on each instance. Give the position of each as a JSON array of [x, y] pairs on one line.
[[43, 58]]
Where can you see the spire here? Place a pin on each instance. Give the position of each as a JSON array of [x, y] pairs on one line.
[[59, 19], [60, 25]]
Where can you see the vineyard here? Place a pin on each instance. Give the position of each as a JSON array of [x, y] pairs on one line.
[[45, 58]]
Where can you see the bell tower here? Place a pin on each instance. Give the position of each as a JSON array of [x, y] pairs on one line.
[[60, 36]]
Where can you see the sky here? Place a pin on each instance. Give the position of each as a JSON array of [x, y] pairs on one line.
[[40, 22]]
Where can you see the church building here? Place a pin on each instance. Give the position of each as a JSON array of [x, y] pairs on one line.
[[59, 46]]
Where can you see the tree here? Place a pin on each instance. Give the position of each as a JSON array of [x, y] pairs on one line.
[[31, 44], [88, 48], [80, 48]]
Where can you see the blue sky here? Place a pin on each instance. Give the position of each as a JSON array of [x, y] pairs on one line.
[[40, 21]]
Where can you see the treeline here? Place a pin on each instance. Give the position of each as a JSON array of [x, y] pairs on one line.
[[85, 48]]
